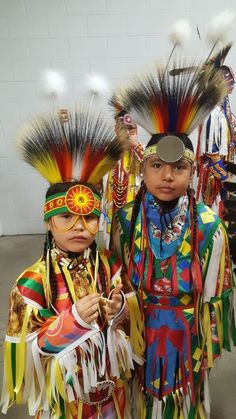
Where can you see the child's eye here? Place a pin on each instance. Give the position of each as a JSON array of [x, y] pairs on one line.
[[180, 166], [91, 217], [66, 216], [156, 165]]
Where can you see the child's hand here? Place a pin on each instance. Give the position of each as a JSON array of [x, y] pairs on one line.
[[111, 307], [87, 307]]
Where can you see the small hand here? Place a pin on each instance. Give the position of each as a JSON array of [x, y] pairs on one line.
[[87, 307], [112, 306]]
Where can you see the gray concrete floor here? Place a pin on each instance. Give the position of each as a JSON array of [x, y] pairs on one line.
[[19, 252]]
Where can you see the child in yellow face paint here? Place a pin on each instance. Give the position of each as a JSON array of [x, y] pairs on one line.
[[67, 349]]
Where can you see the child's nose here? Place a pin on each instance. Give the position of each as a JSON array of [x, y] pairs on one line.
[[167, 172], [79, 225]]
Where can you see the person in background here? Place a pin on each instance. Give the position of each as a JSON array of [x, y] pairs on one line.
[[217, 143], [175, 249], [67, 350], [122, 183]]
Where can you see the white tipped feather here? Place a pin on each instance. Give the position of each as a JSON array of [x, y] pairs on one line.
[[220, 25], [53, 83], [180, 32], [96, 85]]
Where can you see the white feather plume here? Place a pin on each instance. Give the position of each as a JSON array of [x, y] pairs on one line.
[[220, 25], [53, 83], [96, 85], [180, 32]]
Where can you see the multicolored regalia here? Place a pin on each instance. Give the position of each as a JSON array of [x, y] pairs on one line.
[[61, 366], [64, 365], [184, 332], [175, 249]]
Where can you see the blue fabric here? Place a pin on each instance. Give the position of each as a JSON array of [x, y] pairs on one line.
[[155, 221]]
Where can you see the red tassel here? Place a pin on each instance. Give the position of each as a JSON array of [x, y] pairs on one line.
[[174, 275]]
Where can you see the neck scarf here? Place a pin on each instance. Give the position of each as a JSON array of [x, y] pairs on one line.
[[165, 228]]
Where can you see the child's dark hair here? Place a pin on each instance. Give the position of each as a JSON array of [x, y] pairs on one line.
[[53, 283], [135, 211], [193, 220], [65, 186]]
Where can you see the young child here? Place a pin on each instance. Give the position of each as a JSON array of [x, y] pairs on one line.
[[175, 249], [67, 349]]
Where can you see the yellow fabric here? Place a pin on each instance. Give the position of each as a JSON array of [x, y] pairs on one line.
[[116, 406], [48, 382], [68, 281], [59, 381], [219, 324], [8, 370], [207, 334], [222, 271], [21, 352], [80, 409], [136, 326]]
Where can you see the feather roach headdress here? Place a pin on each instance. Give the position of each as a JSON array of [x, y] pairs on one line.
[[84, 149], [170, 107]]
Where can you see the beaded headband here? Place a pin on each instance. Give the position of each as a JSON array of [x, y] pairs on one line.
[[170, 149], [79, 200]]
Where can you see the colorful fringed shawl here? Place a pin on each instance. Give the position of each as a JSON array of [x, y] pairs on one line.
[[53, 359], [183, 335]]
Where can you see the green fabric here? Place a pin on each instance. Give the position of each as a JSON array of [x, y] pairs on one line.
[[57, 195], [55, 211], [226, 307], [62, 407], [46, 313], [31, 284]]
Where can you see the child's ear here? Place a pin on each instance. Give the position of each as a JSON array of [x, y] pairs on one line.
[[48, 225]]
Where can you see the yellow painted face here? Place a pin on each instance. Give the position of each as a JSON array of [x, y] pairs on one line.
[[67, 221], [73, 233]]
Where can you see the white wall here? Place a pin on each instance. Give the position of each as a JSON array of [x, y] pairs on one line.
[[115, 38]]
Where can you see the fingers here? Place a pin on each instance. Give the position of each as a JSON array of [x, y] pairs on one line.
[[111, 307], [117, 289], [88, 307]]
